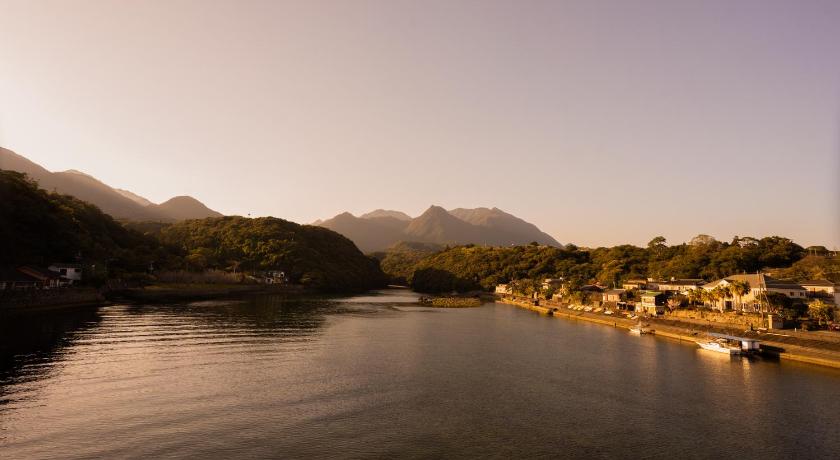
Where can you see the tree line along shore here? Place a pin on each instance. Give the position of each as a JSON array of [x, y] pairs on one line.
[[48, 235]]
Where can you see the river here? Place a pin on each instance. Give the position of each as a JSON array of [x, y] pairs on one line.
[[380, 376]]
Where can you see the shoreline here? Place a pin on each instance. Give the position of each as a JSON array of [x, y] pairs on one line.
[[769, 348], [90, 297]]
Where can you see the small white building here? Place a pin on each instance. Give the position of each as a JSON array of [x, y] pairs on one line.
[[678, 285], [759, 286], [503, 289], [653, 303], [69, 272]]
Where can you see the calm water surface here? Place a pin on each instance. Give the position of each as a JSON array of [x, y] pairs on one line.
[[379, 376]]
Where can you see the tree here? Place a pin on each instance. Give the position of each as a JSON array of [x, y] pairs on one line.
[[695, 295], [738, 289], [675, 302], [777, 302], [703, 240], [721, 293], [657, 242], [820, 311]]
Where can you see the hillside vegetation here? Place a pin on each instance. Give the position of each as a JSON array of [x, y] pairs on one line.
[[40, 227], [312, 256], [478, 267]]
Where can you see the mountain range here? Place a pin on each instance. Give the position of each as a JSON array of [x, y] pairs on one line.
[[379, 230], [121, 204]]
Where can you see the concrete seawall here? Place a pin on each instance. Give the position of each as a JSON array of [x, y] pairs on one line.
[[774, 350]]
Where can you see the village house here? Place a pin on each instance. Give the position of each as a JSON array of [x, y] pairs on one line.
[[14, 279], [28, 277], [652, 303], [591, 288], [612, 296], [503, 289], [756, 299], [46, 279], [822, 289], [552, 283], [70, 272], [679, 285], [634, 284]]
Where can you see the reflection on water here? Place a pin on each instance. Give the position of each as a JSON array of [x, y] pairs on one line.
[[378, 376]]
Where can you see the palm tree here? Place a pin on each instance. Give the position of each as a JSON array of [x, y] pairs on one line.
[[739, 289], [721, 293]]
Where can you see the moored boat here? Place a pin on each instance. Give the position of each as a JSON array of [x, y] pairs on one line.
[[730, 344], [640, 329], [720, 346]]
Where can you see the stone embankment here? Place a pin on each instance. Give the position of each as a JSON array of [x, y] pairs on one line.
[[807, 347], [46, 299]]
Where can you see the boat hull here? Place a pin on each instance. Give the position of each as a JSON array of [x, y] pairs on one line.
[[717, 348]]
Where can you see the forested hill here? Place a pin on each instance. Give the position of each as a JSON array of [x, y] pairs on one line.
[[312, 256], [474, 267], [40, 227]]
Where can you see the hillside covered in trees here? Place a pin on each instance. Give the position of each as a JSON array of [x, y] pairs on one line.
[[309, 255], [479, 267], [40, 227]]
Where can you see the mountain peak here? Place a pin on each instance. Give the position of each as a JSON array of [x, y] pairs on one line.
[[399, 215], [78, 173], [435, 210], [120, 204], [186, 207]]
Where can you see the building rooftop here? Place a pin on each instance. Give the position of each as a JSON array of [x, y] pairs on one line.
[[816, 283], [757, 280]]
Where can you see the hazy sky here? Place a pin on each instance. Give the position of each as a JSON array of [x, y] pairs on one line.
[[601, 122]]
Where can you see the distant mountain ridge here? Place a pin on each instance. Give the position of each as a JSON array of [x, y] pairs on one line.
[[121, 204], [378, 230]]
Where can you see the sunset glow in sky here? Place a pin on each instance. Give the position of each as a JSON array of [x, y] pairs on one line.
[[602, 122]]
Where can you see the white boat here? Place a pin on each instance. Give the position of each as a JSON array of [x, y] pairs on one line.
[[720, 346], [639, 329]]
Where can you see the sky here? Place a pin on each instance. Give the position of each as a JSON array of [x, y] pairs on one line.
[[602, 122]]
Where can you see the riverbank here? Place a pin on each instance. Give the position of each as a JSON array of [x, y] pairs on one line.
[[21, 302], [172, 292], [14, 302], [811, 350]]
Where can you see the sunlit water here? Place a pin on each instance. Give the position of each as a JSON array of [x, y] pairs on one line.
[[379, 376]]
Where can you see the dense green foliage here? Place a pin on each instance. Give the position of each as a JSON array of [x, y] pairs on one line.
[[474, 267], [40, 228], [312, 256], [399, 261]]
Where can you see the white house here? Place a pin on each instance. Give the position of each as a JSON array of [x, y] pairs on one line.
[[70, 272], [503, 289], [681, 285], [760, 285], [653, 303]]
